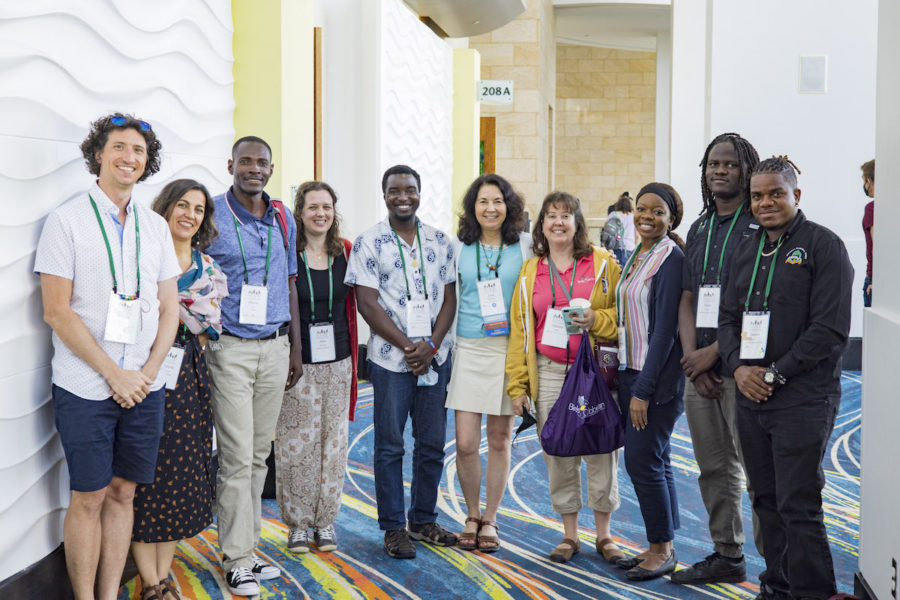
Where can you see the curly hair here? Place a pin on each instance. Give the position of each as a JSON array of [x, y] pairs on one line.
[[334, 245], [174, 191], [672, 200], [99, 134], [469, 230], [564, 200]]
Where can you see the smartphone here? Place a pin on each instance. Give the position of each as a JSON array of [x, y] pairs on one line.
[[572, 311]]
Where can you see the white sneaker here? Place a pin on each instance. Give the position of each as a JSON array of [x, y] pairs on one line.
[[264, 570], [241, 582], [298, 541]]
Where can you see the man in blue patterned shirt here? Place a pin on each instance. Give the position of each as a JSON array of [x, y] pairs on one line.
[[403, 273]]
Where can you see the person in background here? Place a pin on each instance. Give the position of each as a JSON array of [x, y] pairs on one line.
[[784, 324], [709, 395], [565, 267], [651, 382], [868, 225], [178, 504], [489, 255], [311, 435]]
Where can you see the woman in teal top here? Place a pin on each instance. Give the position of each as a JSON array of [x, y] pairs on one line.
[[490, 253]]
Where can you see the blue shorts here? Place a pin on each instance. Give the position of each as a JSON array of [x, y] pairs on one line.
[[101, 439]]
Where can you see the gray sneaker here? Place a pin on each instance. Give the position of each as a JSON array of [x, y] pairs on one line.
[[325, 538], [298, 541]]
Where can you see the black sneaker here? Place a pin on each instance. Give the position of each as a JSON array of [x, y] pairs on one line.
[[715, 568], [433, 534], [398, 545], [241, 582]]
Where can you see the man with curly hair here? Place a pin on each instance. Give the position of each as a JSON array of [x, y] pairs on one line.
[[108, 279]]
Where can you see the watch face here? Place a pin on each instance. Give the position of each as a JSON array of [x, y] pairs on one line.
[[769, 377]]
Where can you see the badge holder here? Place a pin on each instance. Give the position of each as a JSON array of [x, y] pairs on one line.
[[321, 342]]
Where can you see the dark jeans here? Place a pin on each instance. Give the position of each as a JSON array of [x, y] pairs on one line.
[[647, 461], [783, 451], [397, 397]]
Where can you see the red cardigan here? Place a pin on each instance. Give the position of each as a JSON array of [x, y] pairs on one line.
[[354, 336]]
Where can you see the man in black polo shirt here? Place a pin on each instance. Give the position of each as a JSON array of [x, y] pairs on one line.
[[784, 321], [710, 395]]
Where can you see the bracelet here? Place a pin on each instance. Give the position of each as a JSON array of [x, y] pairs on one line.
[[433, 347]]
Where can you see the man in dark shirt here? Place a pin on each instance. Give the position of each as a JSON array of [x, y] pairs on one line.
[[784, 321], [710, 394]]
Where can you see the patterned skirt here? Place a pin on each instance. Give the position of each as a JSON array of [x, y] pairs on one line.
[[178, 504]]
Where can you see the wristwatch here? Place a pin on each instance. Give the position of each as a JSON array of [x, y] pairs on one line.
[[772, 377]]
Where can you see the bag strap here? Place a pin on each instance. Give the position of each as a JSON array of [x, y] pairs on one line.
[[281, 218]]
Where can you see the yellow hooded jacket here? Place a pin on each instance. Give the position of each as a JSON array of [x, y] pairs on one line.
[[521, 355]]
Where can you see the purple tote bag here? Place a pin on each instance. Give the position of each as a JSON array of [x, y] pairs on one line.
[[585, 419]]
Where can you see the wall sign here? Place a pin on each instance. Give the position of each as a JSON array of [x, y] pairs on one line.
[[495, 91]]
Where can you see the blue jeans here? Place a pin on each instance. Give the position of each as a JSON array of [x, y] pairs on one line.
[[647, 460], [397, 397]]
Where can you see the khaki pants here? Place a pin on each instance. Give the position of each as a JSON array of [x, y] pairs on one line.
[[565, 472], [248, 378]]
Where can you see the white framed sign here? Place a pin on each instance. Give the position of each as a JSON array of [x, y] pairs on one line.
[[495, 91]]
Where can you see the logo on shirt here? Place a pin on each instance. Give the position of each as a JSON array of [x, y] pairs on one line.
[[796, 256]]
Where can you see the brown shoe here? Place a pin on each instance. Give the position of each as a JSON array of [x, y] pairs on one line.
[[609, 550], [565, 550], [167, 587], [489, 543], [468, 540]]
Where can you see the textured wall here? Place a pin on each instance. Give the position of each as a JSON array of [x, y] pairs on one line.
[[64, 64], [606, 123], [416, 107]]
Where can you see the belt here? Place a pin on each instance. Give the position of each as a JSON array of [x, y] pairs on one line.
[[283, 330]]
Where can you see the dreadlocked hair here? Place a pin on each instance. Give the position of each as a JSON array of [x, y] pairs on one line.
[[779, 165], [747, 157]]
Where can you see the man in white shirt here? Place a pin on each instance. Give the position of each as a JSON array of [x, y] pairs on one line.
[[108, 279]]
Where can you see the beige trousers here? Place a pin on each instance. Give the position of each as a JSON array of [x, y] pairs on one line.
[[248, 378], [565, 471]]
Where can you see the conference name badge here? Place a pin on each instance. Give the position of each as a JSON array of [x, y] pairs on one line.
[[418, 319], [754, 335], [321, 342], [254, 301], [493, 309], [708, 297], [122, 319]]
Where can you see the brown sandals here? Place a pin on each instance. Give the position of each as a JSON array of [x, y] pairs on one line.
[[167, 587], [468, 540], [151, 592], [562, 553], [493, 541], [609, 550]]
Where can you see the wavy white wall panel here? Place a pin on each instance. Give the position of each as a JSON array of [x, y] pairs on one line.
[[64, 63], [416, 100]]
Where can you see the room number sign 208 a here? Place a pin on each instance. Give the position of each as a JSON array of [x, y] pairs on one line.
[[495, 91]]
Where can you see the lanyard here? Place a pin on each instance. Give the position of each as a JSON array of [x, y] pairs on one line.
[[495, 268], [137, 242], [709, 234], [312, 300], [237, 230], [554, 273], [762, 241], [421, 260], [620, 287]]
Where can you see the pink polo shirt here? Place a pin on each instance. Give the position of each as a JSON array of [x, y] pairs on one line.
[[542, 300]]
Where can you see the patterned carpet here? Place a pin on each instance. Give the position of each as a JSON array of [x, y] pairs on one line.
[[529, 530]]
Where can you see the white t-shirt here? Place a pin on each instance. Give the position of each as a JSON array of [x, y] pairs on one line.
[[628, 237]]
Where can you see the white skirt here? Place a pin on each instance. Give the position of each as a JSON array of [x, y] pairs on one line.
[[478, 378]]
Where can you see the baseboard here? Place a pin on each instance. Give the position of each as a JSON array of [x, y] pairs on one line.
[[861, 588], [853, 355], [46, 579]]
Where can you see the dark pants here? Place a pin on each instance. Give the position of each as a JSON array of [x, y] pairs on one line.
[[398, 398], [647, 460], [867, 295], [783, 451]]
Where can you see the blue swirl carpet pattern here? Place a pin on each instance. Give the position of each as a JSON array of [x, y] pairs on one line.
[[529, 529]]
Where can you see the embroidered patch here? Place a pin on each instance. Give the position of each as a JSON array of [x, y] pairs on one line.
[[796, 256]]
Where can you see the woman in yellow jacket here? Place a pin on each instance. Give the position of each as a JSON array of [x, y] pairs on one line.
[[565, 266]]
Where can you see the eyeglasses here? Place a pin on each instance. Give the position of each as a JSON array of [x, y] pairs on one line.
[[122, 121]]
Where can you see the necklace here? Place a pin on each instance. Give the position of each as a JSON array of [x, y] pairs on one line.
[[770, 252]]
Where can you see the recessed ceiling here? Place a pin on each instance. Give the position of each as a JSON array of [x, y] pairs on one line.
[[624, 25], [464, 18]]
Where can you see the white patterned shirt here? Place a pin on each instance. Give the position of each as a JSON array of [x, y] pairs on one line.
[[375, 263], [71, 246]]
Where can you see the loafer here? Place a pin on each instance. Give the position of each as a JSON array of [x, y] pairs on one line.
[[630, 562], [640, 574]]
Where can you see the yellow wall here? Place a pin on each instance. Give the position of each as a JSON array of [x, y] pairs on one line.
[[466, 125], [273, 85]]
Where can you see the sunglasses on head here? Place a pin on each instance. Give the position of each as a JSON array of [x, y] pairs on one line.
[[122, 121]]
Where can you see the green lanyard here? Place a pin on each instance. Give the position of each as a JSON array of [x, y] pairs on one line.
[[495, 268], [762, 241], [421, 260], [620, 287], [312, 300], [237, 230], [709, 234], [554, 273], [137, 243]]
